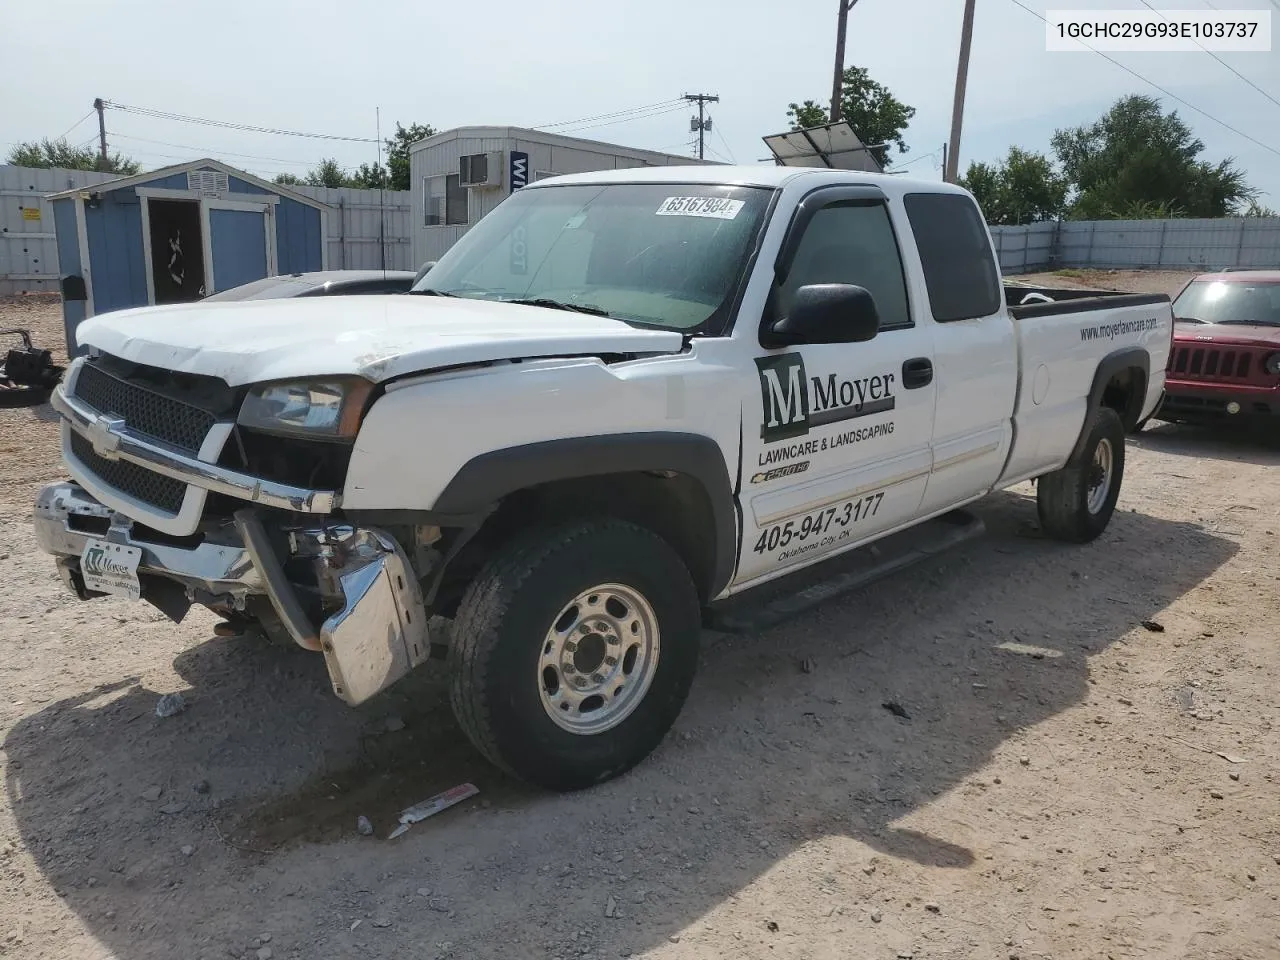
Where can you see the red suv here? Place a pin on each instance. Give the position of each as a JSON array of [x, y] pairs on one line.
[[1225, 363]]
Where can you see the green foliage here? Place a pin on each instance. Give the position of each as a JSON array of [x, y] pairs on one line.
[[58, 153], [1024, 188], [368, 176], [1137, 162], [398, 153], [875, 114], [1256, 209]]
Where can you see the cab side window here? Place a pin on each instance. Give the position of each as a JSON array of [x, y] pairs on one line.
[[960, 269], [852, 243]]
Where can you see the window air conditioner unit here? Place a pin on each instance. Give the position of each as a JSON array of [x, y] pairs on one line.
[[480, 170]]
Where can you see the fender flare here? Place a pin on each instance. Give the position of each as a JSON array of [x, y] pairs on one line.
[[487, 478], [1126, 358]]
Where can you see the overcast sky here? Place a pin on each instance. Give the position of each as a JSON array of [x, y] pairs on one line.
[[324, 66]]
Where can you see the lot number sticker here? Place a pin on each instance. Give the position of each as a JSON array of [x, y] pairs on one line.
[[718, 208]]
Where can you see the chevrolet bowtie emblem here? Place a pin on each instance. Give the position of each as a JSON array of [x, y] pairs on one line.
[[102, 434]]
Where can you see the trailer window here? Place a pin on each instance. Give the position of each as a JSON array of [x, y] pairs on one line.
[[959, 266]]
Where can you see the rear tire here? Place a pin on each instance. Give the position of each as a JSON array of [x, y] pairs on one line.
[[1076, 503], [573, 652]]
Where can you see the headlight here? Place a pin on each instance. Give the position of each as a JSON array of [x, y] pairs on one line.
[[1273, 363], [325, 409]]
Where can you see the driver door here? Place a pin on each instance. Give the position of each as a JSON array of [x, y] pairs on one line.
[[836, 436]]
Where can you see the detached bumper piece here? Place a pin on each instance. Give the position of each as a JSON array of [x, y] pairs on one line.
[[375, 633]]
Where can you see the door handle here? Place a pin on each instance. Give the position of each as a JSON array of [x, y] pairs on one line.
[[917, 372]]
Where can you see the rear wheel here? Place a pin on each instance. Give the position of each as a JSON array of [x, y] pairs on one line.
[[573, 652], [1076, 503]]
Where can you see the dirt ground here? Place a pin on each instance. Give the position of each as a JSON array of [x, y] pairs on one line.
[[1067, 783]]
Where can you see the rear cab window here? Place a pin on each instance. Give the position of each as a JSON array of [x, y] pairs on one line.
[[959, 265]]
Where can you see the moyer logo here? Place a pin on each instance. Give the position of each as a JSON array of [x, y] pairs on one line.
[[794, 402], [98, 563]]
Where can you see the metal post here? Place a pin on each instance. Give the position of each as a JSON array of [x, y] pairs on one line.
[[957, 107], [702, 99], [102, 130]]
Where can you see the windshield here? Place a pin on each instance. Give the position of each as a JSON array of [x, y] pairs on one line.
[[665, 255], [1212, 301]]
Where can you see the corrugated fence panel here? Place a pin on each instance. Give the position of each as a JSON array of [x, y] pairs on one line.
[[28, 251], [363, 225], [1024, 249]]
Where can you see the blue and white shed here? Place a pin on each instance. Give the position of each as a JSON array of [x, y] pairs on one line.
[[179, 234]]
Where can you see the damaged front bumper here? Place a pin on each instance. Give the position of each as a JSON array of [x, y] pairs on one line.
[[374, 627]]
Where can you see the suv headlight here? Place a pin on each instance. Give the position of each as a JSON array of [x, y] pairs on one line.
[[325, 409], [1273, 363]]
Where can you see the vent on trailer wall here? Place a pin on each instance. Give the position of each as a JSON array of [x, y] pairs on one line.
[[208, 183]]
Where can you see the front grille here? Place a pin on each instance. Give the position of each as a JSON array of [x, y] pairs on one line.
[[144, 411], [1211, 363], [141, 484]]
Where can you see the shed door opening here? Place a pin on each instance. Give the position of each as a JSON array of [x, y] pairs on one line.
[[177, 250]]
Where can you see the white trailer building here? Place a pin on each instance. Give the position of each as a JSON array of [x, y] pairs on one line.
[[459, 175]]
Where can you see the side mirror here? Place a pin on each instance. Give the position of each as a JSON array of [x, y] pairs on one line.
[[825, 313], [423, 271]]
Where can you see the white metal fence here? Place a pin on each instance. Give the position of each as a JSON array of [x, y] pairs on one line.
[[1140, 244], [366, 227], [28, 251]]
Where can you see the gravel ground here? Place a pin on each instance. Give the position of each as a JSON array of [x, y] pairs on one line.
[[1066, 783]]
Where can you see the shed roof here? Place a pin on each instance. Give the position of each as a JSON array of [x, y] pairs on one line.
[[207, 164]]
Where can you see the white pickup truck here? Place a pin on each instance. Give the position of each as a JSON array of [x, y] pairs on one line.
[[620, 398]]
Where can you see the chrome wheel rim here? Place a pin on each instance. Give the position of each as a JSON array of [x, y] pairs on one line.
[[1100, 476], [598, 659]]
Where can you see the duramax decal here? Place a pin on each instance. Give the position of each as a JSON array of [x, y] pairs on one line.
[[790, 470], [794, 402]]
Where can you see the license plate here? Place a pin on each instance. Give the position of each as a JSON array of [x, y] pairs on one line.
[[111, 568]]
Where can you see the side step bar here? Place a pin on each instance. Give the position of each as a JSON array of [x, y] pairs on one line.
[[806, 589]]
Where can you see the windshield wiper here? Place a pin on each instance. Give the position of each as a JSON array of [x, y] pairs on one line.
[[1251, 323], [1188, 319], [431, 293], [561, 305]]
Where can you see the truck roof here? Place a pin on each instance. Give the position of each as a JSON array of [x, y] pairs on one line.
[[1242, 276], [751, 175]]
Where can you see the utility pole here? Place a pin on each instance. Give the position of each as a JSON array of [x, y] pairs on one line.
[[702, 123], [102, 129], [957, 108], [837, 82]]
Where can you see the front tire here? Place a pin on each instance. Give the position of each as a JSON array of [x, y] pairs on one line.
[[573, 652], [1076, 503]]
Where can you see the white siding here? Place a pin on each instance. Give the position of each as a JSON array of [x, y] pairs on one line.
[[28, 250]]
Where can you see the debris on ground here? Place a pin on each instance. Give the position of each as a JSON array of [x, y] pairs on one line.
[[364, 827], [897, 709], [433, 805], [806, 665], [393, 724], [201, 786], [1153, 626], [151, 794], [611, 908], [170, 705]]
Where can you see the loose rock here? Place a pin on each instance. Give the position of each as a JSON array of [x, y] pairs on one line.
[[876, 916], [188, 850], [382, 922], [364, 827], [170, 705], [151, 794], [1216, 794], [1233, 776], [611, 908], [1025, 761], [394, 724], [201, 786], [933, 907], [265, 954]]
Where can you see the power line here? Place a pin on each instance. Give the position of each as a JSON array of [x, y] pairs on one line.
[[613, 123], [606, 116], [1152, 83], [247, 127], [1216, 57], [77, 123], [725, 144], [205, 151]]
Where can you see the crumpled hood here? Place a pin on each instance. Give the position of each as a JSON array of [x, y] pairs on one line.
[[378, 337], [1235, 333]]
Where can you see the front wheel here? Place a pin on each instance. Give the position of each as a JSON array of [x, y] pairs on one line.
[[573, 652], [1075, 503]]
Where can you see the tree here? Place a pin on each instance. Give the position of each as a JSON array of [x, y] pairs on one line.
[[289, 180], [1257, 209], [875, 114], [398, 153], [1024, 188], [1137, 160], [58, 153]]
